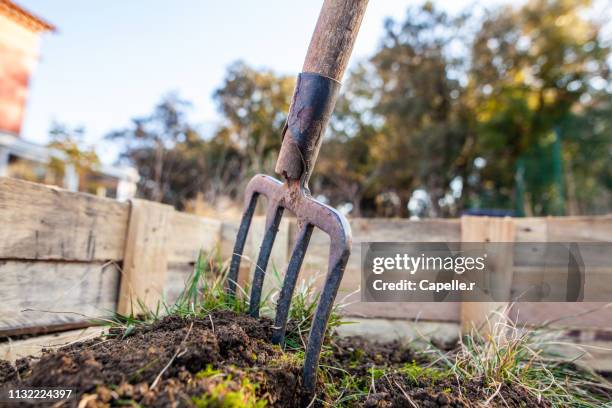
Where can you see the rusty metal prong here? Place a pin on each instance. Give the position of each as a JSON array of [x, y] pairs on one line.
[[273, 219], [293, 270], [243, 230], [335, 225], [337, 264]]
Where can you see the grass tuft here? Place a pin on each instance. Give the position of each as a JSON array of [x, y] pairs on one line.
[[502, 353]]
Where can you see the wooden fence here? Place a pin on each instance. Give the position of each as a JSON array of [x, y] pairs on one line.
[[67, 257]]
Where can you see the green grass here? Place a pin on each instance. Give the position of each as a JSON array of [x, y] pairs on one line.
[[205, 291], [502, 353], [416, 373]]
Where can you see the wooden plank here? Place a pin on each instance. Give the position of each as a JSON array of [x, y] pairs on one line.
[[585, 315], [279, 258], [42, 222], [580, 229], [485, 229], [431, 312], [176, 278], [189, 234], [13, 350], [46, 293], [403, 230], [530, 229], [146, 256], [404, 330]]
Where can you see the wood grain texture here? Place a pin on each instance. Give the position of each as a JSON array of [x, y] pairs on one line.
[[43, 293], [579, 229], [146, 256], [334, 36], [176, 279], [42, 222], [190, 234], [485, 229], [13, 350], [530, 229]]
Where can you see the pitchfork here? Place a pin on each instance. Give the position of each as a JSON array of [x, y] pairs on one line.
[[311, 107]]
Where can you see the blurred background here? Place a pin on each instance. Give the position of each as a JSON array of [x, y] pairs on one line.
[[449, 107]]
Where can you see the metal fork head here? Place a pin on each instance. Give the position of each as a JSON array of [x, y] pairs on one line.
[[311, 108], [310, 214]]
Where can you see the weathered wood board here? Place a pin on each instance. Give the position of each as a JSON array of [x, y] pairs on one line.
[[44, 294], [189, 234], [485, 315], [146, 257], [44, 223], [12, 350]]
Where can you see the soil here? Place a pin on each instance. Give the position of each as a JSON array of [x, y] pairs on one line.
[[194, 361]]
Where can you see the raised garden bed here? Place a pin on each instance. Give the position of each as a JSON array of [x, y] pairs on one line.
[[204, 351]]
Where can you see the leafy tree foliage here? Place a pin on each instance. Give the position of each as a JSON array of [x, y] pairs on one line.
[[176, 163], [71, 141], [506, 109], [165, 149], [532, 69]]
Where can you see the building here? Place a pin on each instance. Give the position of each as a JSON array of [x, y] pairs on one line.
[[20, 33]]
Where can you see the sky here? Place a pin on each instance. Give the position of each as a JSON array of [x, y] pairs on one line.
[[111, 61]]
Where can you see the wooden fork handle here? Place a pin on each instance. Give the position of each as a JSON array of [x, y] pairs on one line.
[[333, 38]]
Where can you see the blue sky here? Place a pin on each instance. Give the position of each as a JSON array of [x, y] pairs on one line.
[[113, 60]]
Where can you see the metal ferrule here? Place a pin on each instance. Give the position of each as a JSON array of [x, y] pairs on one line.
[[311, 108]]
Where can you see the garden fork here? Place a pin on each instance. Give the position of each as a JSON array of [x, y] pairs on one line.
[[311, 107]]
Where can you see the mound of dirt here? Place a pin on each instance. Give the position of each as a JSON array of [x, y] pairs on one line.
[[227, 360], [196, 360]]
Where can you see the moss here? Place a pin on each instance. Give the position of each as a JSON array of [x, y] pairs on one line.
[[209, 371], [223, 395], [423, 375]]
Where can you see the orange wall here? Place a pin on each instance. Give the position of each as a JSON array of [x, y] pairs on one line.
[[18, 57]]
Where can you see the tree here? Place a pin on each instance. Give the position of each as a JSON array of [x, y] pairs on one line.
[[167, 151], [531, 68], [427, 128], [254, 105], [346, 170], [175, 163], [83, 158]]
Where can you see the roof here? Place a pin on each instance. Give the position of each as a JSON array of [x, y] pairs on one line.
[[42, 154], [24, 17]]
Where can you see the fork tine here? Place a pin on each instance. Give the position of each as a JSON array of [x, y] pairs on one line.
[[337, 263], [273, 218], [293, 270], [243, 231]]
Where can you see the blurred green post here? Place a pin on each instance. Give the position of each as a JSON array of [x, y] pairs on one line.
[[557, 161], [520, 188]]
